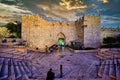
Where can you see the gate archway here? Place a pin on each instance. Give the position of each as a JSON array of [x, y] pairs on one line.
[[61, 38]]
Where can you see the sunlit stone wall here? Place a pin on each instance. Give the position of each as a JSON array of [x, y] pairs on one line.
[[39, 32], [92, 31], [109, 32]]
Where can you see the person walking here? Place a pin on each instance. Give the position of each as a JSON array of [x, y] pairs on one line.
[[50, 75]]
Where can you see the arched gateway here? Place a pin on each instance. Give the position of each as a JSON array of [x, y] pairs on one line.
[[61, 38]]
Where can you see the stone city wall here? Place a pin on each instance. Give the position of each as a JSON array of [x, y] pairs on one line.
[[109, 32], [39, 32]]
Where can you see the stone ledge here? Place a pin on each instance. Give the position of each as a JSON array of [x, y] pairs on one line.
[[35, 50], [83, 51]]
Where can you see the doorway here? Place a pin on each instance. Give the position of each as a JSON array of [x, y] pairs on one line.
[[61, 39], [61, 42]]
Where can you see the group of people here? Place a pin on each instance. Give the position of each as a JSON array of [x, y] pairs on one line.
[[51, 48]]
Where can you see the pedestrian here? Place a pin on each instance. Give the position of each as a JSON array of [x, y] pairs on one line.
[[50, 75], [51, 49], [46, 49]]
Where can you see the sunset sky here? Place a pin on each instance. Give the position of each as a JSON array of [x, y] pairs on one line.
[[65, 10]]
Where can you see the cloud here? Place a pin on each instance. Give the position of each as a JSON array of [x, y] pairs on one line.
[[7, 12], [62, 9], [93, 5], [48, 7], [110, 20], [110, 17], [104, 1], [72, 4], [56, 12], [13, 8]]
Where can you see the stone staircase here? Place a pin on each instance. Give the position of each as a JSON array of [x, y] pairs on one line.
[[14, 69], [109, 69]]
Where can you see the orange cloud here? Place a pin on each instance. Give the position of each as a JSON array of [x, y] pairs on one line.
[[68, 4], [44, 7], [104, 1], [56, 12]]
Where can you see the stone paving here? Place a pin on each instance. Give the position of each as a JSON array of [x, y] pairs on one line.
[[76, 66]]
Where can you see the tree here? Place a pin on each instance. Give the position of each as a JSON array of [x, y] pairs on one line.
[[4, 32], [118, 38], [109, 40], [15, 28]]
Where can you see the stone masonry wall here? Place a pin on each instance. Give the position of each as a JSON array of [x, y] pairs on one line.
[[109, 32], [39, 32], [92, 31]]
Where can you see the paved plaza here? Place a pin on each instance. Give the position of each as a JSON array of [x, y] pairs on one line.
[[75, 66]]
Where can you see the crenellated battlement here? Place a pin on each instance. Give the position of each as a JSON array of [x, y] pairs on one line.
[[36, 19], [111, 29]]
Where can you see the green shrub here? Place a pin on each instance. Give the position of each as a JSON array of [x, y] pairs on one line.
[[4, 32], [14, 28], [12, 36], [109, 40], [118, 38], [111, 46]]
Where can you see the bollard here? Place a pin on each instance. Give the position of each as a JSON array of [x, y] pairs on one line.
[[61, 74]]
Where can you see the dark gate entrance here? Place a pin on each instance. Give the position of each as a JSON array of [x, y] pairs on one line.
[[61, 41]]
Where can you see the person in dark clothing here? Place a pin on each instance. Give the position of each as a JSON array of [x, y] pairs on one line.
[[50, 75], [51, 49]]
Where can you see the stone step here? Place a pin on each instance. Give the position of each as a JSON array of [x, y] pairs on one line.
[[112, 70], [4, 69], [106, 69], [101, 69], [118, 72], [119, 61], [11, 72], [1, 63], [115, 62], [17, 70], [14, 69], [109, 69], [27, 70], [23, 73]]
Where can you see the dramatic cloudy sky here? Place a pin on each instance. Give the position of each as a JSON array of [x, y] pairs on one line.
[[11, 10]]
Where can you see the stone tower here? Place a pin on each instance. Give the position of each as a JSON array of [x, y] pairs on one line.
[[92, 31]]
